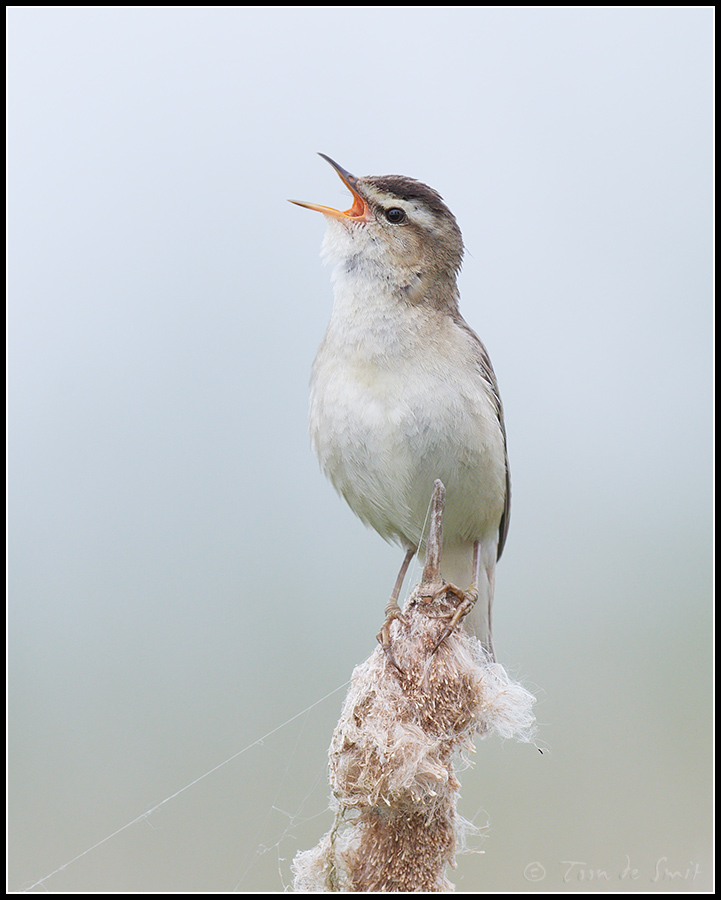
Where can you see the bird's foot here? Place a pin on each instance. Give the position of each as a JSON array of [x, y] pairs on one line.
[[467, 602], [393, 611]]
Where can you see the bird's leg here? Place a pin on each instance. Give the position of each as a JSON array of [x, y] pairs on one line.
[[468, 598], [393, 610]]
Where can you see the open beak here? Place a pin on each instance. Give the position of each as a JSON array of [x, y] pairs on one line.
[[357, 213]]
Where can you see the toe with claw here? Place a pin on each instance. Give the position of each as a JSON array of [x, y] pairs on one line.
[[467, 602], [393, 611]]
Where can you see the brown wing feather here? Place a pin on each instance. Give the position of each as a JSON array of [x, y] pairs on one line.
[[489, 376]]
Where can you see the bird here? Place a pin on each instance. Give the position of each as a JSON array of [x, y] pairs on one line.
[[403, 391]]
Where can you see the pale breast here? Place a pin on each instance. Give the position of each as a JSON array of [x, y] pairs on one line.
[[385, 426]]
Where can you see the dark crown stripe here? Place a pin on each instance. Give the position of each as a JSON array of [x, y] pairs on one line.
[[410, 189]]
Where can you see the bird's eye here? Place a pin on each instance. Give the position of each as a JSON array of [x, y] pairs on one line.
[[395, 216]]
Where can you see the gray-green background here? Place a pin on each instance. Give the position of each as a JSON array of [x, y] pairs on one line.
[[183, 580]]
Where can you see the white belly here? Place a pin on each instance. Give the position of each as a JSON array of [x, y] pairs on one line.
[[384, 427]]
